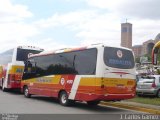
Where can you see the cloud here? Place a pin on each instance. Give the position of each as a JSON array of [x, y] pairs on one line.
[[68, 19], [99, 22], [145, 9], [104, 4], [10, 12], [144, 30], [51, 44], [90, 26], [13, 28]]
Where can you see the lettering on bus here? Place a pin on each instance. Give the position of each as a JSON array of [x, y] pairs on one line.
[[44, 80], [118, 58], [69, 81], [62, 81], [120, 62]]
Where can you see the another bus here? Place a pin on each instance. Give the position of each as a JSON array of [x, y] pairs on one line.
[[155, 52], [90, 74], [12, 65]]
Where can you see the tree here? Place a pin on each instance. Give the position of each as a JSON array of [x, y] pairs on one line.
[[137, 59]]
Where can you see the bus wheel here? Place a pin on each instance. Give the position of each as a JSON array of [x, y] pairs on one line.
[[3, 88], [26, 92], [63, 98], [93, 103]]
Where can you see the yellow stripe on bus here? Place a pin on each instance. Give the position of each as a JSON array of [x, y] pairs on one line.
[[106, 81], [14, 68], [85, 81]]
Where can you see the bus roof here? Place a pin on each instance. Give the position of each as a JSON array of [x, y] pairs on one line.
[[24, 47], [73, 49], [30, 47]]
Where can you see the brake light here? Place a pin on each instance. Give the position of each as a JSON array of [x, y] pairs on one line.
[[153, 85]]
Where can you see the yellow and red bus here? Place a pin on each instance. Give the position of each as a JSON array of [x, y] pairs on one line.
[[90, 74], [155, 52], [12, 65]]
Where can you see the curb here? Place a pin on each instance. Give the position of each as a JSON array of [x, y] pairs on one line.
[[132, 107]]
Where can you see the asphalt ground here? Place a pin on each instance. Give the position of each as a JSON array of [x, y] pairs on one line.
[[14, 106], [13, 102]]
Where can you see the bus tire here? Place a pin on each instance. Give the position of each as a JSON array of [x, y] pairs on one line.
[[26, 92], [93, 103], [3, 87], [63, 99]]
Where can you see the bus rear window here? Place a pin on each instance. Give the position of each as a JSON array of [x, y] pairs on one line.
[[22, 54], [118, 58]]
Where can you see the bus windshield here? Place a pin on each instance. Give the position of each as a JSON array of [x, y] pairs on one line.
[[118, 58], [22, 54]]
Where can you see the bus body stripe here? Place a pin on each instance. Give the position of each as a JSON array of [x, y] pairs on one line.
[[74, 87]]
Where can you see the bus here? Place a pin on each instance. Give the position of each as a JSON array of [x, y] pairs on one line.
[[155, 53], [91, 74], [12, 65]]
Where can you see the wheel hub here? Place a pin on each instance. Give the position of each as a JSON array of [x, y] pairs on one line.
[[63, 98]]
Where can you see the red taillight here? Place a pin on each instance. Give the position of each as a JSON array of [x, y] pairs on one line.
[[153, 85]]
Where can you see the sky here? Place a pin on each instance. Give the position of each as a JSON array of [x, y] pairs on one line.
[[55, 24]]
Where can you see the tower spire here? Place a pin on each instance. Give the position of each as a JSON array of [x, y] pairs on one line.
[[126, 20]]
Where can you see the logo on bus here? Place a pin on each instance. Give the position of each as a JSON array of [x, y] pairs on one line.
[[119, 53], [69, 81], [30, 54], [62, 81]]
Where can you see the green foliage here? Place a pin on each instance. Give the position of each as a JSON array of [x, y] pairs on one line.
[[149, 57], [137, 59], [146, 100], [158, 71]]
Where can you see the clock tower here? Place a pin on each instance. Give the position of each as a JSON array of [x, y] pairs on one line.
[[126, 35]]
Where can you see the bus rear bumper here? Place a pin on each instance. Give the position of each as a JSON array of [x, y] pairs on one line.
[[106, 97], [114, 97]]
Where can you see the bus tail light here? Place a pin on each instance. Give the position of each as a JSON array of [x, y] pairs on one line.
[[153, 85]]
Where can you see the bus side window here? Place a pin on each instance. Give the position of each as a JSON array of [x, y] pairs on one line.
[[30, 67]]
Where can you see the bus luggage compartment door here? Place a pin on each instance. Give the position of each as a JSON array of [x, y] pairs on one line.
[[118, 85]]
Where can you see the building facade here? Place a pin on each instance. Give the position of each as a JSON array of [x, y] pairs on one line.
[[137, 49], [146, 47]]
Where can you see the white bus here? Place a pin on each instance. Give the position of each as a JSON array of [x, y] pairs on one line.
[[12, 65], [90, 74]]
